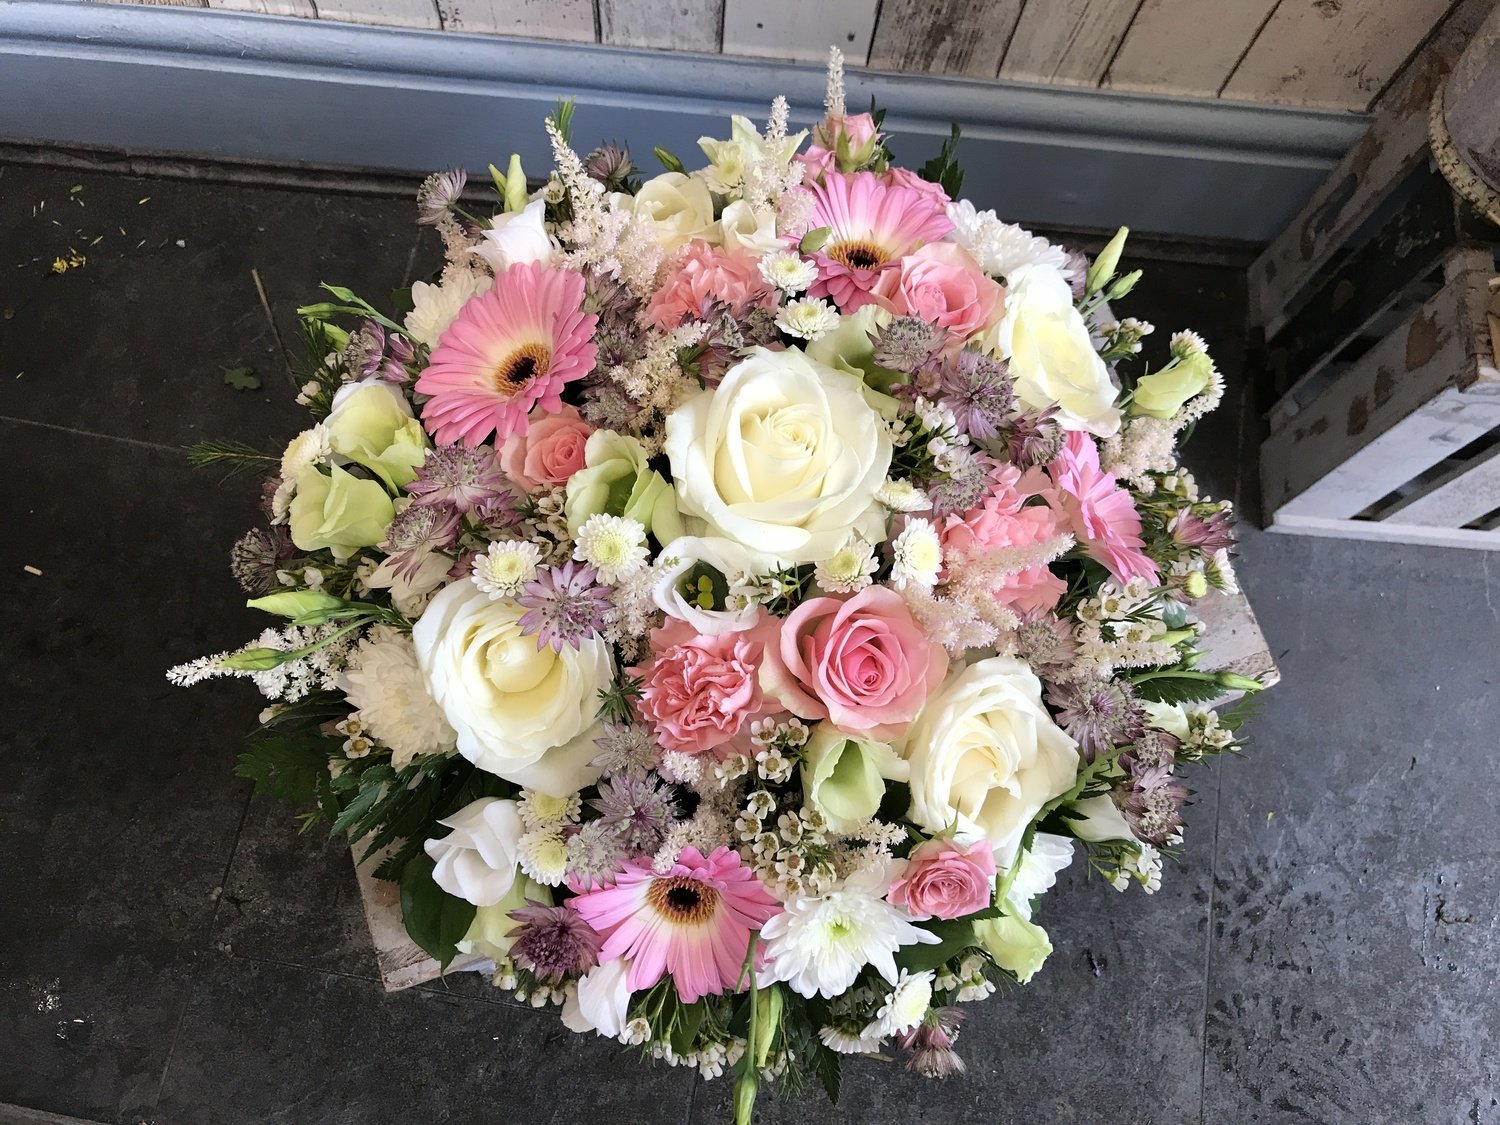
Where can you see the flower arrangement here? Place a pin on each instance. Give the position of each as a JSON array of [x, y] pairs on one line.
[[728, 600]]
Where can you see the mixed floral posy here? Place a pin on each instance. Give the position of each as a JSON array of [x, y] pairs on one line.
[[728, 600]]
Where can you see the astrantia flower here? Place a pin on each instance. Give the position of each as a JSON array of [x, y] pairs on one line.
[[819, 945], [543, 856], [788, 271], [1209, 533], [978, 391], [462, 478], [1045, 641], [1034, 437], [626, 748], [907, 1003], [639, 808], [418, 531], [385, 686], [596, 854], [256, 556], [512, 348], [553, 942], [807, 319], [505, 567], [917, 555], [1152, 801], [438, 192], [847, 570], [872, 226], [564, 605], [615, 546], [910, 344], [693, 921], [1099, 714], [931, 1045]]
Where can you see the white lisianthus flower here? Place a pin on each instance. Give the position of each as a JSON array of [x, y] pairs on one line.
[[477, 860], [1000, 248], [615, 546], [678, 593], [729, 160], [1037, 874], [907, 1003], [523, 713], [410, 591], [435, 307], [986, 756], [788, 271], [1052, 359], [601, 1002], [1099, 819], [808, 318], [505, 567], [678, 207], [784, 457], [515, 238], [819, 945], [916, 556], [384, 684], [742, 227]]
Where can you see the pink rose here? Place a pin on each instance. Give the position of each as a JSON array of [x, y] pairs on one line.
[[943, 285], [861, 662], [905, 177], [549, 452], [700, 691], [946, 879], [857, 134]]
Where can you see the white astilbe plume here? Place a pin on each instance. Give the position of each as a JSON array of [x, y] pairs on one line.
[[769, 176], [1149, 445], [604, 236], [656, 381], [833, 99], [316, 670]]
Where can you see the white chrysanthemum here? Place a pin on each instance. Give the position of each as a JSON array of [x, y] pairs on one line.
[[615, 546], [309, 448], [819, 946], [809, 318], [385, 685], [1000, 247], [506, 567], [788, 271], [906, 1005], [903, 496], [541, 810], [435, 307], [543, 855], [848, 569], [849, 1041], [1184, 344], [917, 555]]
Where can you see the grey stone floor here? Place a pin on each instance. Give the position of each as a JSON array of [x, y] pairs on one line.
[[173, 953]]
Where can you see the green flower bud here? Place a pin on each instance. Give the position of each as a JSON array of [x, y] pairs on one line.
[[1124, 285], [1235, 682], [1162, 393], [745, 1087], [296, 603], [1015, 944], [1106, 263], [768, 1004], [256, 659], [515, 185]]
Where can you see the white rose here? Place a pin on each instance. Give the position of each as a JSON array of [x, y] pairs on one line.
[[678, 562], [522, 713], [784, 457], [742, 227], [985, 755], [1052, 359], [435, 307], [477, 860], [679, 206], [517, 237]]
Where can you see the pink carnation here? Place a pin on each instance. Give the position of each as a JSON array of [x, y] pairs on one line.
[[1098, 511], [1005, 521], [549, 452], [946, 879], [699, 691], [861, 662], [944, 285], [709, 275]]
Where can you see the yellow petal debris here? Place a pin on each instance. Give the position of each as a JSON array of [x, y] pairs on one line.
[[73, 261]]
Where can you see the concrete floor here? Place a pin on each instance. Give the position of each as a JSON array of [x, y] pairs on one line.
[[173, 953]]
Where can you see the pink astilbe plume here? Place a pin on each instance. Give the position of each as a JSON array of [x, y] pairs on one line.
[[1098, 511], [511, 348], [693, 921], [872, 226]]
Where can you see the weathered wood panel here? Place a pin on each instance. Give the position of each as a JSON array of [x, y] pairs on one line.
[[1186, 46], [799, 30], [401, 962], [169, 3], [1383, 531], [944, 36], [534, 19], [1070, 42], [1234, 640], [391, 13], [302, 8], [1394, 144], [1460, 496], [1338, 54], [682, 25]]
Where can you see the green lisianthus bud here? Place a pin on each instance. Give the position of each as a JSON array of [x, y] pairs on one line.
[[1106, 263], [256, 659], [515, 185], [745, 1088], [768, 1004], [1162, 393], [1235, 682], [1124, 285], [296, 603]]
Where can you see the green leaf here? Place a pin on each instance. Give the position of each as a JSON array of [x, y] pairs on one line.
[[942, 169], [288, 768], [1178, 689], [827, 1066], [685, 1028], [371, 787], [815, 240], [435, 920], [242, 378], [956, 936]]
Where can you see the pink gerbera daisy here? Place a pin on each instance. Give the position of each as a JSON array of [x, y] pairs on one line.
[[872, 225], [511, 348], [1098, 511], [693, 921]]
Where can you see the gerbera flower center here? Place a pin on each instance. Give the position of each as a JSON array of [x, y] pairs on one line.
[[520, 367], [683, 900], [858, 255]]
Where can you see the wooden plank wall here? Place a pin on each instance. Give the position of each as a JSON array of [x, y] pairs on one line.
[[1333, 54]]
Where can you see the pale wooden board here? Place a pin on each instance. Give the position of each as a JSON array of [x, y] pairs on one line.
[[400, 961], [1337, 54], [165, 3], [1384, 531], [1186, 46], [571, 20], [1422, 393], [944, 36], [1069, 42], [799, 30], [385, 13], [1233, 640], [1458, 497], [682, 25], [302, 8], [1394, 144]]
